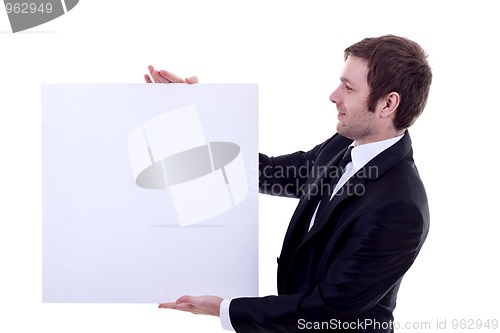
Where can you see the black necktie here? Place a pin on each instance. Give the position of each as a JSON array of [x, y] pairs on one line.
[[345, 160], [335, 179]]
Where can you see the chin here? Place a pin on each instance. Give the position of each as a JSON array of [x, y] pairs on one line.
[[341, 130]]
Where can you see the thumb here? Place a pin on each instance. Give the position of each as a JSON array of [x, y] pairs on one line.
[[183, 299]]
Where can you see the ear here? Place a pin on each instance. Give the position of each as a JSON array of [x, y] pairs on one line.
[[390, 104]]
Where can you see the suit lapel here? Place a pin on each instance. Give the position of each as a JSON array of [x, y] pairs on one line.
[[356, 184], [351, 188], [305, 209]]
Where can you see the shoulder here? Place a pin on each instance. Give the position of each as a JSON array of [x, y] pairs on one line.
[[399, 191]]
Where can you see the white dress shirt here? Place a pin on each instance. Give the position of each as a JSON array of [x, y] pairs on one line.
[[360, 155]]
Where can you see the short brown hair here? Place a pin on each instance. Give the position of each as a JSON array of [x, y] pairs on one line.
[[396, 64]]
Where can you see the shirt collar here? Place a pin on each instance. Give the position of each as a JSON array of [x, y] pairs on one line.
[[362, 154]]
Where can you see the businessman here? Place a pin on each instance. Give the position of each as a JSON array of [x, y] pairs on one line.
[[362, 215]]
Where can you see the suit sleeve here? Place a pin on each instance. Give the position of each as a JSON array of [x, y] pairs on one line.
[[382, 245], [286, 175]]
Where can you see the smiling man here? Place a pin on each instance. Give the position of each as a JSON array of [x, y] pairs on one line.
[[362, 215]]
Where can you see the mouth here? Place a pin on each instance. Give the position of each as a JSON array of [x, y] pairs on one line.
[[340, 115]]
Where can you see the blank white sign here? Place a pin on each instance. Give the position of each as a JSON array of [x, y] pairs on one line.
[[108, 240]]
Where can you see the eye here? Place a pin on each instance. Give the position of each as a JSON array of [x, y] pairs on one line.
[[346, 86]]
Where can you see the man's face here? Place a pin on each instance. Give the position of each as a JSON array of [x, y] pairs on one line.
[[355, 121]]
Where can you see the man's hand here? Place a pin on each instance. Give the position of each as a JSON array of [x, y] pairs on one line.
[[207, 305], [162, 76]]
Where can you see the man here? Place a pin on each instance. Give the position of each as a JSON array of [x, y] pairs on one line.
[[357, 228]]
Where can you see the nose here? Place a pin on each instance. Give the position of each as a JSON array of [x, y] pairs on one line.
[[334, 96]]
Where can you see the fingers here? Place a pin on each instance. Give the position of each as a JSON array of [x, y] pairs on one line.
[[163, 76], [182, 306], [171, 305], [167, 77], [192, 80], [208, 305], [151, 71], [181, 303]]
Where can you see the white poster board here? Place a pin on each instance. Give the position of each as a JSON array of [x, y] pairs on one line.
[[149, 191]]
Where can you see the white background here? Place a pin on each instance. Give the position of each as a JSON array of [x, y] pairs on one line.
[[293, 49]]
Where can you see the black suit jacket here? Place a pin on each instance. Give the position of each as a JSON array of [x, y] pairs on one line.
[[344, 274]]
